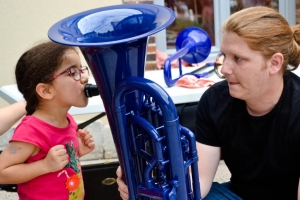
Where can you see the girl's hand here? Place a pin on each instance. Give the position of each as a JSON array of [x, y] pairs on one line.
[[56, 159], [85, 141]]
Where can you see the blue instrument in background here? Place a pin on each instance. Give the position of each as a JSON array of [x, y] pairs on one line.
[[154, 150], [203, 74], [193, 45]]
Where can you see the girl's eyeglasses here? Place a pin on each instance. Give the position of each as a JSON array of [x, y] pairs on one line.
[[74, 72], [218, 65]]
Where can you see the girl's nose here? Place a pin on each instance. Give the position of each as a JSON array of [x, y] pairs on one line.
[[84, 79]]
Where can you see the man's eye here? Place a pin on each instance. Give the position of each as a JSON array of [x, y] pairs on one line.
[[237, 58]]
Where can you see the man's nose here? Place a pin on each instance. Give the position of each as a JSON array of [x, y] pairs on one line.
[[226, 69]]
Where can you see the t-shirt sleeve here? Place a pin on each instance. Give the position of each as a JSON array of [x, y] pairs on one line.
[[204, 126], [27, 133]]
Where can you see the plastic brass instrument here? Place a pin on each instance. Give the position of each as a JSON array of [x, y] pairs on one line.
[[193, 45], [155, 152]]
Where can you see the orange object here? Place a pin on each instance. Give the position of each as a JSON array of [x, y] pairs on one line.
[[73, 183], [190, 81]]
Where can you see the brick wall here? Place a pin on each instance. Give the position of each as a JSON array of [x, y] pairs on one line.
[[151, 51], [297, 11]]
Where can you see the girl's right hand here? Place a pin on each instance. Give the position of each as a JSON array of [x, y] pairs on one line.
[[56, 159], [123, 189]]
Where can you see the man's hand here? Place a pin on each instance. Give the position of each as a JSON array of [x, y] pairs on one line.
[[123, 189]]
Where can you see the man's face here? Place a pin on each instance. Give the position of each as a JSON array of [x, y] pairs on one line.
[[245, 70]]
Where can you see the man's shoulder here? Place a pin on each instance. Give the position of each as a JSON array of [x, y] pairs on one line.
[[291, 94], [218, 89], [295, 80], [217, 95]]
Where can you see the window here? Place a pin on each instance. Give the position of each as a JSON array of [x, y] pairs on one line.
[[236, 5], [209, 15]]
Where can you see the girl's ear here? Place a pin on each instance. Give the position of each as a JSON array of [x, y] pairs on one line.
[[44, 91], [276, 62]]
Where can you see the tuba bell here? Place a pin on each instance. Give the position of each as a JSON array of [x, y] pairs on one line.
[[155, 152]]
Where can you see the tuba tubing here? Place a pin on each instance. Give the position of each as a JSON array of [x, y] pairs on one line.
[[155, 152], [178, 167]]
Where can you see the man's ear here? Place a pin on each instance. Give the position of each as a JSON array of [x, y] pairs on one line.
[[44, 91], [276, 62]]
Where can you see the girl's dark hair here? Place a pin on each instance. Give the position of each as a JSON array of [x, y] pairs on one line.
[[38, 65]]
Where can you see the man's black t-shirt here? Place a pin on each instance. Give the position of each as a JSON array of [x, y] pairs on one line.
[[262, 153]]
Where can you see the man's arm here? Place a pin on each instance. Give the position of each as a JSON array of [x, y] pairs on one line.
[[299, 190], [209, 158]]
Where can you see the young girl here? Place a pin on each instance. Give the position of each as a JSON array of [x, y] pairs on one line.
[[42, 156]]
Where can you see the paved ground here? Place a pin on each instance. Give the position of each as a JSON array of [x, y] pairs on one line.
[[222, 175], [8, 195]]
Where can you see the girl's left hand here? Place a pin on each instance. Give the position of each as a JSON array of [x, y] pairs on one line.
[[86, 142]]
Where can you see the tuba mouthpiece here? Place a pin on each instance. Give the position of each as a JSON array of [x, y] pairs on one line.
[[91, 90]]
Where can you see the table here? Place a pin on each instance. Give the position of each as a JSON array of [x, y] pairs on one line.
[[11, 94]]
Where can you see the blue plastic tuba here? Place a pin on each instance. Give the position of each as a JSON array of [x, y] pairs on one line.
[[155, 152]]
